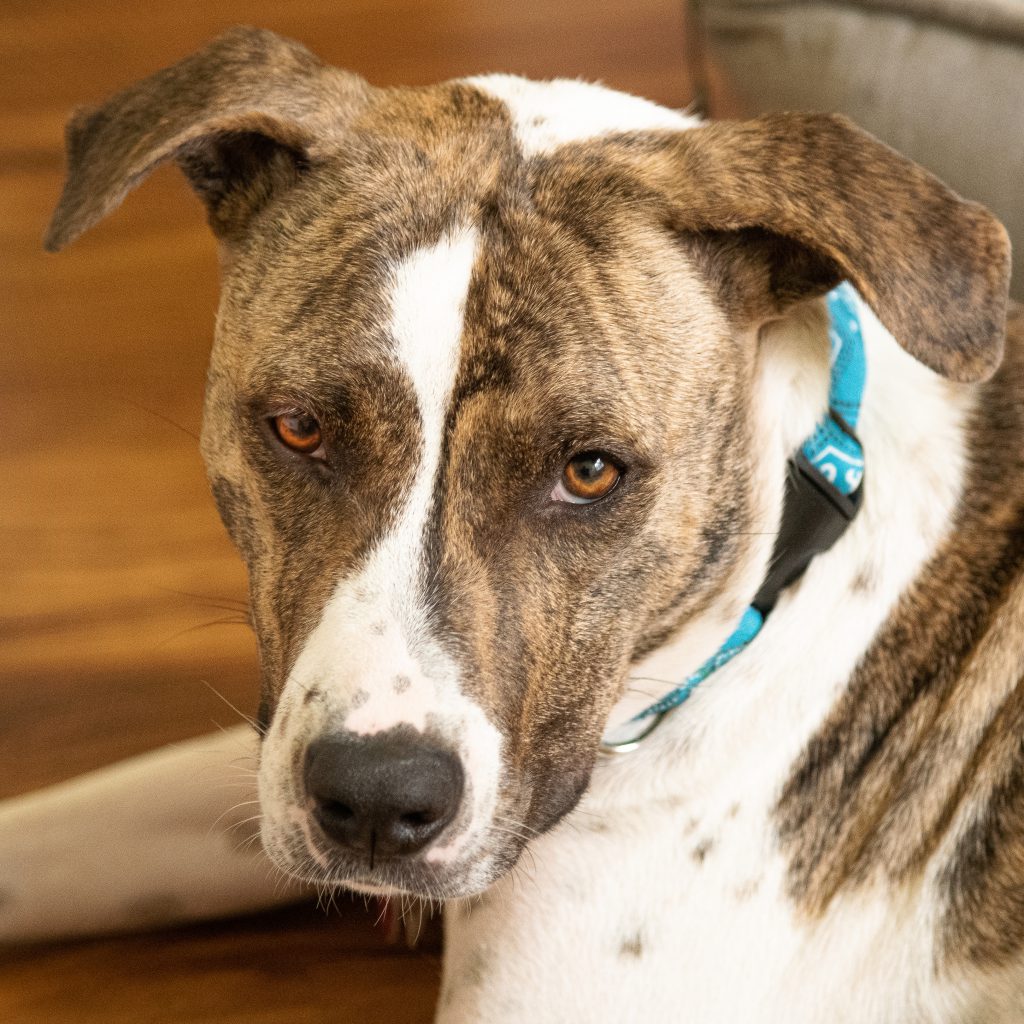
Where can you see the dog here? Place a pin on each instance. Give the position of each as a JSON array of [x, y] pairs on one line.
[[507, 381]]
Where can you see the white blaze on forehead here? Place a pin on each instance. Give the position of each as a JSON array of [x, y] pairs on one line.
[[550, 114], [428, 299], [370, 654]]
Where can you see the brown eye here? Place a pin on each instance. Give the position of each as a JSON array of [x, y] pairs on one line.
[[298, 431], [586, 478]]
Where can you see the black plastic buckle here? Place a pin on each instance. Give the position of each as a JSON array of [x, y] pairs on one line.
[[814, 516]]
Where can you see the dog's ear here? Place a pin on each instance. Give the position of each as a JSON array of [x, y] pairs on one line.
[[814, 199], [243, 117]]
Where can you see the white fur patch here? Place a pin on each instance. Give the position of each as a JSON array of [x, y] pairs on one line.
[[549, 114], [428, 300]]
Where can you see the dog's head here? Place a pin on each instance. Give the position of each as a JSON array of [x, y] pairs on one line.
[[481, 411]]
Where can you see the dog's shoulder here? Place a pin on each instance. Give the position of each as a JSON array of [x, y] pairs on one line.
[[916, 777], [983, 880]]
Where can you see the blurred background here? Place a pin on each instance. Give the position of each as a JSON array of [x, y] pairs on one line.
[[122, 603]]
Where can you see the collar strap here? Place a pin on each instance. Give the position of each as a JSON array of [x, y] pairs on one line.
[[822, 496]]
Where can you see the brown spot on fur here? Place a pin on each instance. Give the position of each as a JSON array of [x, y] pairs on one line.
[[701, 850], [234, 514], [983, 882], [311, 695], [747, 890], [470, 974], [632, 946], [401, 684], [864, 582], [359, 698]]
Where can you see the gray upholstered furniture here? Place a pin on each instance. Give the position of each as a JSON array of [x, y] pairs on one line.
[[941, 80]]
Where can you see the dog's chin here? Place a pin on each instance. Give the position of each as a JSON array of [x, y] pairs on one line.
[[468, 876]]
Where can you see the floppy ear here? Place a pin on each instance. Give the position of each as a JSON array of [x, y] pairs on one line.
[[243, 117], [821, 200]]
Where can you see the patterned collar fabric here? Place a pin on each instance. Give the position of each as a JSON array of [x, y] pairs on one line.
[[834, 451], [836, 460]]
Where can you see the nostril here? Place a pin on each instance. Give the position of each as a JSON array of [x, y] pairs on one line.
[[337, 810], [418, 819]]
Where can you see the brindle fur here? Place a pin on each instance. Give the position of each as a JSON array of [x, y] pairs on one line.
[[615, 303]]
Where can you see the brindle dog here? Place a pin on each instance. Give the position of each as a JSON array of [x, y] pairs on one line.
[[504, 383]]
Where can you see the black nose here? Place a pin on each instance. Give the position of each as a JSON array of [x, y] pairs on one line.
[[386, 795]]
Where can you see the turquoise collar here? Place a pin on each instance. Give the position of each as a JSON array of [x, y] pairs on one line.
[[823, 494]]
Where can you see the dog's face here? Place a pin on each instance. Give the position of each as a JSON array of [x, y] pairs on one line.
[[480, 418], [529, 434]]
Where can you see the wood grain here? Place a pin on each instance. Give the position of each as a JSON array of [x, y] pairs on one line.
[[119, 586]]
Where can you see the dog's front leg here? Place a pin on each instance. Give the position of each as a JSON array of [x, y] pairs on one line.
[[168, 836]]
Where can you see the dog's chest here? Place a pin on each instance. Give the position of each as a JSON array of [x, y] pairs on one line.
[[675, 913]]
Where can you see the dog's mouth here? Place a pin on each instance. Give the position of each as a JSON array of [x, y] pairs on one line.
[[459, 868]]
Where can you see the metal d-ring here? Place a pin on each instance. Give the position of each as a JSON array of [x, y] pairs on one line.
[[628, 746]]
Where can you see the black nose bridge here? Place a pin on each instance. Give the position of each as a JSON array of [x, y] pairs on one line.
[[383, 795]]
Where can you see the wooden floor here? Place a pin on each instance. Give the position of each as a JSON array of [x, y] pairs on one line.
[[117, 581]]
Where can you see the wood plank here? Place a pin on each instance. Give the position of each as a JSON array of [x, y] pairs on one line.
[[297, 966]]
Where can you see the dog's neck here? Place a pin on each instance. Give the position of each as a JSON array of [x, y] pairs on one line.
[[912, 428]]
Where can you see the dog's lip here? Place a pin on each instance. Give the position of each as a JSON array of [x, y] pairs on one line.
[[412, 879], [321, 866], [368, 889]]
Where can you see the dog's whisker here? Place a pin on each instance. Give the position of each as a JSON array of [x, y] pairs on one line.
[[237, 779], [385, 902], [231, 810], [227, 620], [246, 845], [223, 604], [653, 679], [228, 779], [153, 412], [241, 714], [245, 821], [514, 833], [238, 606], [519, 824]]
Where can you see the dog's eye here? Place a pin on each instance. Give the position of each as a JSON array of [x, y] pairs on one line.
[[586, 478], [298, 431]]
